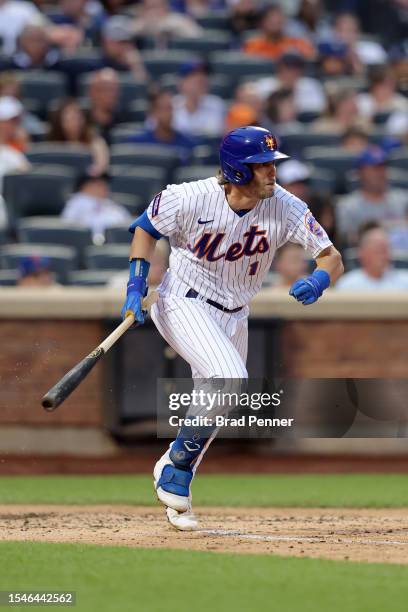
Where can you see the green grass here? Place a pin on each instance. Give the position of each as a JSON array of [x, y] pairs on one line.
[[125, 579], [344, 490]]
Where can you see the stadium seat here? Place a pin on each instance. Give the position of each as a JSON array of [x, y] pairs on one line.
[[42, 191], [77, 157], [143, 181], [108, 257], [118, 234], [350, 259], [399, 159], [90, 278], [158, 63], [323, 180], [334, 159], [54, 230], [208, 43], [307, 116], [145, 154], [220, 85], [3, 236], [135, 111], [133, 203], [400, 260], [195, 173], [239, 66], [295, 143], [215, 20], [123, 131], [8, 278], [42, 86], [62, 258], [205, 154]]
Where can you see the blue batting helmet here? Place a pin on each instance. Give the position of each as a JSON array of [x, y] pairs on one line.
[[243, 146]]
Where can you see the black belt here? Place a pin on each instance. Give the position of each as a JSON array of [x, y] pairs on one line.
[[192, 293]]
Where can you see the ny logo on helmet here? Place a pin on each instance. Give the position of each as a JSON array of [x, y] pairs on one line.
[[270, 142]]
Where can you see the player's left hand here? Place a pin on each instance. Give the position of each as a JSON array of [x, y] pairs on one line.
[[308, 290]]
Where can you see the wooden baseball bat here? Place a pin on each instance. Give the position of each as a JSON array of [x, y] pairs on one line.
[[68, 383]]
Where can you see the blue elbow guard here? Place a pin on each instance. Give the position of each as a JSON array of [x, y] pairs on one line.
[[144, 222]]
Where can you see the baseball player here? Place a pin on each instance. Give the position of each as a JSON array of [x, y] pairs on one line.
[[223, 232]]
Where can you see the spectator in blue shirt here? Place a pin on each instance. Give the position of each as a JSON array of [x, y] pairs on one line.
[[159, 127]]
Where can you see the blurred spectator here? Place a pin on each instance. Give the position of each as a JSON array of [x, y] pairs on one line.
[[273, 41], [376, 271], [11, 157], [361, 52], [104, 101], [333, 59], [374, 200], [68, 123], [310, 21], [341, 113], [156, 20], [160, 128], [10, 86], [81, 14], [396, 127], [295, 176], [91, 206], [382, 96], [15, 15], [13, 134], [247, 108], [386, 19], [290, 263], [35, 272], [196, 111], [116, 7], [118, 50], [244, 15], [158, 266], [280, 112], [238, 115], [197, 8], [354, 139], [309, 95], [398, 59], [34, 50]]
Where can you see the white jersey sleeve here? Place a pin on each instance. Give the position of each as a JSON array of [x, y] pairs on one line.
[[164, 211], [303, 229]]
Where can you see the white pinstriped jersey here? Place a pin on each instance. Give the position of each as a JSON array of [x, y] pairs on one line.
[[223, 256]]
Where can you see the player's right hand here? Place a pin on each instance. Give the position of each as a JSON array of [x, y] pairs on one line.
[[133, 302]]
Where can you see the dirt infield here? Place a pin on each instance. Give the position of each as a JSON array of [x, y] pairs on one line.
[[375, 535]]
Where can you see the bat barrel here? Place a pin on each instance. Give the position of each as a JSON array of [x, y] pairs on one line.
[[64, 387]]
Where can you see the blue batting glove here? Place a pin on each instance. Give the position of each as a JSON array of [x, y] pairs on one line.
[[308, 290], [136, 290]]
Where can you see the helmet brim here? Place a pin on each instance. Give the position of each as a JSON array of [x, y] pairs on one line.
[[259, 158]]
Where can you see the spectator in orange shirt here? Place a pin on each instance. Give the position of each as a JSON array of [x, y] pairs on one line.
[[273, 42]]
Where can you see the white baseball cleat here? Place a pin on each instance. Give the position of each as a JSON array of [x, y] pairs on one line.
[[183, 521], [172, 484]]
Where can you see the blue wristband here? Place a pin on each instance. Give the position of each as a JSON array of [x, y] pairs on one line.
[[139, 270], [323, 278]]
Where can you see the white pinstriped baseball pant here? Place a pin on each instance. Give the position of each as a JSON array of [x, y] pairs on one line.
[[213, 342]]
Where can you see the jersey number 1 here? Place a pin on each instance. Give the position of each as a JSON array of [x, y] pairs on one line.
[[253, 268]]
